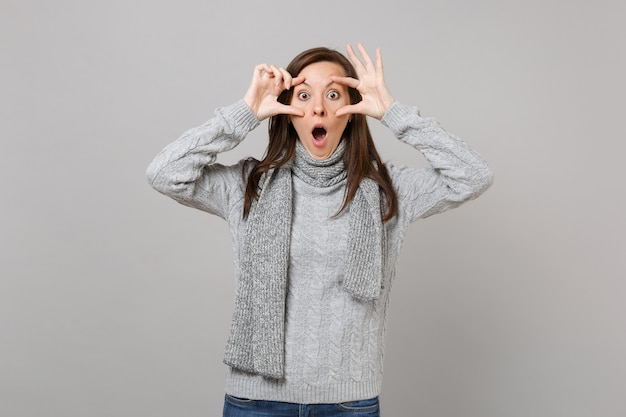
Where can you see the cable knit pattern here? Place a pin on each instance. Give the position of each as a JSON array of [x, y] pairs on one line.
[[256, 342], [333, 341]]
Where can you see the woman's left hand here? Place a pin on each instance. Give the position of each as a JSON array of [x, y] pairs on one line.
[[376, 97]]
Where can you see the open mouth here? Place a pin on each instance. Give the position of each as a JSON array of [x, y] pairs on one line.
[[319, 133]]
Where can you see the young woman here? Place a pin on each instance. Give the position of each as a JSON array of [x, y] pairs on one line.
[[316, 225]]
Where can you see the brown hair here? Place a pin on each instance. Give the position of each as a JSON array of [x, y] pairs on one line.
[[360, 156]]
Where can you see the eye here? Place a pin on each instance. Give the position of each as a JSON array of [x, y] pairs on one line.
[[333, 95], [303, 95]]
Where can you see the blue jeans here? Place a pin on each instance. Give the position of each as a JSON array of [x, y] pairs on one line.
[[241, 407]]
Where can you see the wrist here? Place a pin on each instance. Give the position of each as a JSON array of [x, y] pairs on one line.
[[250, 103], [387, 100]]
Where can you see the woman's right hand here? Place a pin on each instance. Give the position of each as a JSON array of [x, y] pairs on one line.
[[268, 82]]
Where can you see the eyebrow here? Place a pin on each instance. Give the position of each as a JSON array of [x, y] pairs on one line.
[[327, 85]]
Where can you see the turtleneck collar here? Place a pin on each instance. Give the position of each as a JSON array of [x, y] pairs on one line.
[[319, 173]]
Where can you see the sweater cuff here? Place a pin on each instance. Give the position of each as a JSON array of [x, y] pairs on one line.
[[244, 120], [397, 115]]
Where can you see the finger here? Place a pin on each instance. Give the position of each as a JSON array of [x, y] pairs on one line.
[[297, 81], [287, 79], [349, 109], [379, 60], [355, 60], [266, 70], [274, 69], [259, 70], [348, 81], [291, 110], [365, 55], [277, 75]]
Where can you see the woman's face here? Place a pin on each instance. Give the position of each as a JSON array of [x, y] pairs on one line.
[[319, 97]]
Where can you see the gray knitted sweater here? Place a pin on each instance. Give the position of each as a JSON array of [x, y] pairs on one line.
[[333, 342]]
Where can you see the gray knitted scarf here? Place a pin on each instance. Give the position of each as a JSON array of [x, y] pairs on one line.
[[256, 343]]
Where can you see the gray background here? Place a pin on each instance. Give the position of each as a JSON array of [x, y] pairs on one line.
[[116, 301]]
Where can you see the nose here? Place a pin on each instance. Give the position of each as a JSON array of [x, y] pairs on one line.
[[318, 108]]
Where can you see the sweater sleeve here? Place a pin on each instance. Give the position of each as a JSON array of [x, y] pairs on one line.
[[456, 173], [186, 170]]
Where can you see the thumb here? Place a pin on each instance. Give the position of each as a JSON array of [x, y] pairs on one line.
[[291, 110], [348, 109]]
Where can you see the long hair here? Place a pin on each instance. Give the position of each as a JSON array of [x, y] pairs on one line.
[[360, 156]]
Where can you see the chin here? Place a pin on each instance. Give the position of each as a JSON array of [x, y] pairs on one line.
[[319, 153]]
